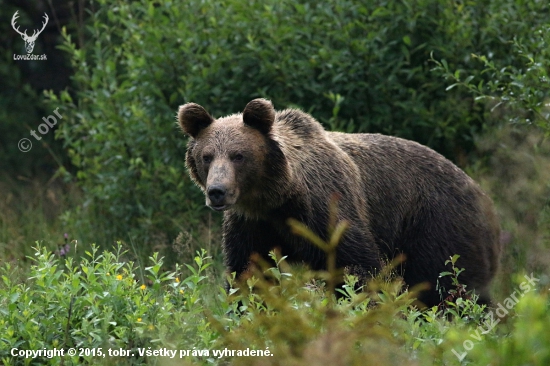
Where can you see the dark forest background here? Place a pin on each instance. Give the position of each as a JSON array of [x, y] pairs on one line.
[[450, 75]]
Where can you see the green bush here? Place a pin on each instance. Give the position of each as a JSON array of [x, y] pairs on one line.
[[516, 89], [355, 65], [104, 304], [97, 302]]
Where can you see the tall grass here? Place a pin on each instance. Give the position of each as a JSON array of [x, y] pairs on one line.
[[515, 170], [30, 211]]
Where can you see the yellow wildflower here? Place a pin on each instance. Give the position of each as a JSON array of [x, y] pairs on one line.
[[177, 279], [119, 277], [143, 287], [138, 319]]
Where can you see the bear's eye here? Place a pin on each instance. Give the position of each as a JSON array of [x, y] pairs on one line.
[[207, 159], [237, 157]]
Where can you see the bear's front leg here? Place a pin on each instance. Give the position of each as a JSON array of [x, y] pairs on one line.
[[243, 237]]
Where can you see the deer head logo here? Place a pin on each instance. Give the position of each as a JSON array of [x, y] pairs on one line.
[[29, 41]]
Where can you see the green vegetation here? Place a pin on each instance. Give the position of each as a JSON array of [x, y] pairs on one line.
[[468, 78], [111, 311]]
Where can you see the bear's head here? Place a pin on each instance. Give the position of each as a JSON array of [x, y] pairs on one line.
[[235, 160]]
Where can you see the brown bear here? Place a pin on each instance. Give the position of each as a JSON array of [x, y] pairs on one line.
[[263, 167]]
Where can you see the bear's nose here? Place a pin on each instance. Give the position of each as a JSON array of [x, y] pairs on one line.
[[217, 195]]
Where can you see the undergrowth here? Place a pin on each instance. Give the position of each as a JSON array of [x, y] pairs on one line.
[[112, 311]]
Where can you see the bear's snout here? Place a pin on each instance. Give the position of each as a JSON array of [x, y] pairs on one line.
[[217, 195], [221, 188]]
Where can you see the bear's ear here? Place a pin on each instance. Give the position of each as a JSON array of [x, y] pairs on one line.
[[259, 114], [193, 118]]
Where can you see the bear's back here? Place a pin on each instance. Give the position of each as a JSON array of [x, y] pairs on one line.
[[388, 158], [404, 180]]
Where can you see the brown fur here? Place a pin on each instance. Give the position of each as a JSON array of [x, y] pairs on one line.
[[263, 167]]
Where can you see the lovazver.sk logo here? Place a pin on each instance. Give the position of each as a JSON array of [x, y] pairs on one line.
[[29, 40]]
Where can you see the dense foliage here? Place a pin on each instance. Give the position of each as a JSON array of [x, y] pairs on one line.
[[354, 65], [109, 310]]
